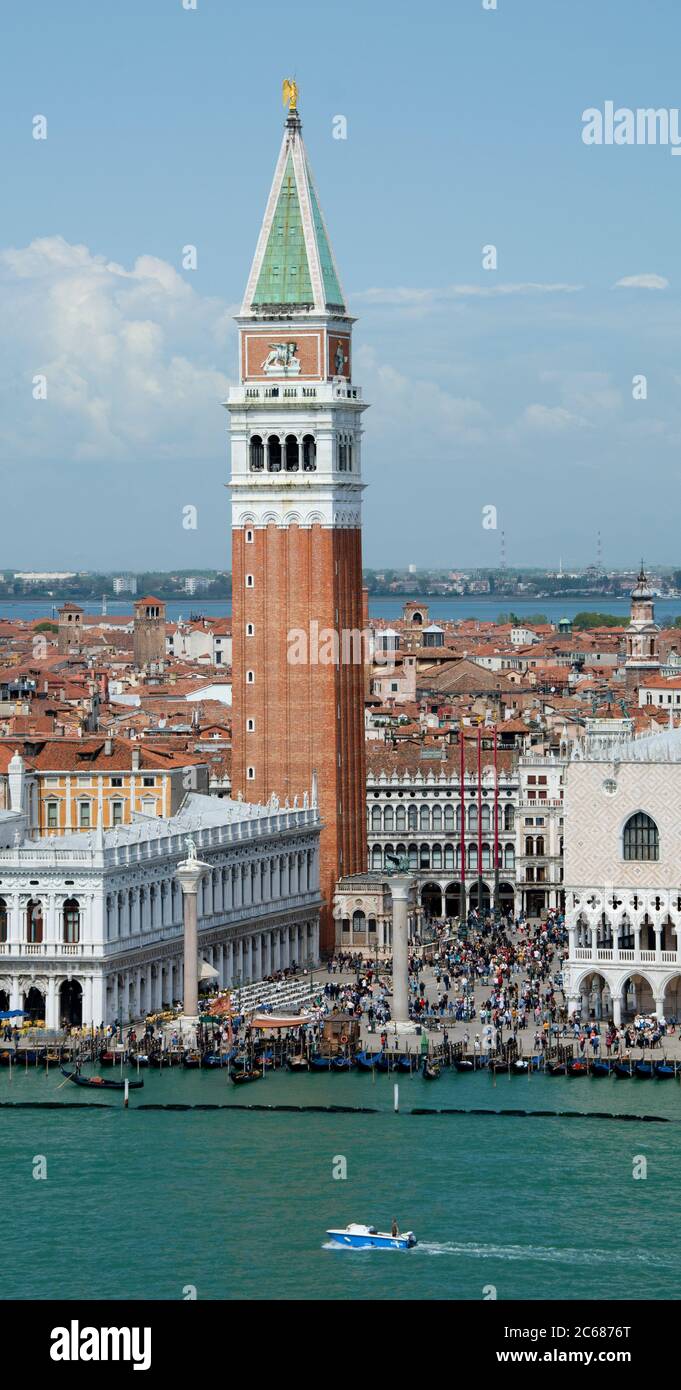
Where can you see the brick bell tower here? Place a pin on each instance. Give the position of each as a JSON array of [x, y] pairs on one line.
[[296, 482]]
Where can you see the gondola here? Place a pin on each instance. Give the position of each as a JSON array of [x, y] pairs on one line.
[[342, 1063], [107, 1058], [241, 1078], [100, 1083], [643, 1070], [461, 1064], [497, 1064], [622, 1069], [403, 1064], [366, 1061], [578, 1067], [298, 1063], [319, 1063], [663, 1071], [599, 1068], [557, 1069], [430, 1071], [139, 1059], [520, 1066], [192, 1060], [242, 1063], [211, 1059]]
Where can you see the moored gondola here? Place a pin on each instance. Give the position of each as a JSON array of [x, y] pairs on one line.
[[430, 1071], [366, 1061], [598, 1067], [643, 1070], [622, 1069], [578, 1067], [211, 1059], [139, 1059], [520, 1066], [192, 1060], [663, 1071], [403, 1064], [342, 1064], [556, 1069], [462, 1064], [241, 1078], [297, 1062], [100, 1083]]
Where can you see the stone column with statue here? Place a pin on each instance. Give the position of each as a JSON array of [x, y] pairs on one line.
[[189, 874]]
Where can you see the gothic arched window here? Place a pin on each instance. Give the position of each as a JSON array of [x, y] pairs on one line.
[[641, 838]]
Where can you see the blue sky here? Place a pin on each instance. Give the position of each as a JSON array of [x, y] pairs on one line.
[[510, 388]]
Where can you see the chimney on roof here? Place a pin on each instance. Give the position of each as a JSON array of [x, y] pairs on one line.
[[108, 747], [135, 759]]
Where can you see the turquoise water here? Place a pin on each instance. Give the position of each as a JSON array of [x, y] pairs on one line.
[[141, 1204], [486, 608]]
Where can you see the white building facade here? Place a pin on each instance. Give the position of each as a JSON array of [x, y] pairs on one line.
[[623, 877], [417, 815], [540, 832], [91, 926]]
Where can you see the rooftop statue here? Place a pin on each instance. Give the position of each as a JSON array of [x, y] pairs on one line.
[[289, 92]]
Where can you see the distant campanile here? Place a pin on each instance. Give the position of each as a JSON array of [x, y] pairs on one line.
[[298, 682]]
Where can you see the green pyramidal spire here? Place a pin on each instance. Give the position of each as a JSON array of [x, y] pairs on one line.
[[294, 269]]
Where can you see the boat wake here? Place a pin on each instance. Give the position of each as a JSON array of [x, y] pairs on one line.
[[545, 1254]]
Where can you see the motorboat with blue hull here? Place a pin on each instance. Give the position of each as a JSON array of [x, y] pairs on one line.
[[357, 1237]]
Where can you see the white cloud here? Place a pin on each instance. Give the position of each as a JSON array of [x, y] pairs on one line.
[[642, 282], [552, 419], [132, 357], [440, 414], [411, 296]]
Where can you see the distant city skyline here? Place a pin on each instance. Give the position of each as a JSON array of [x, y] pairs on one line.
[[512, 388]]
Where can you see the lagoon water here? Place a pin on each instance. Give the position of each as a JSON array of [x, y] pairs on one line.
[[485, 609], [143, 1203]]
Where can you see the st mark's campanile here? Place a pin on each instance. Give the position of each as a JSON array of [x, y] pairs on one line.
[[296, 483]]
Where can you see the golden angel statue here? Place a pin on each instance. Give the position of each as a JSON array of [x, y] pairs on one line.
[[289, 92]]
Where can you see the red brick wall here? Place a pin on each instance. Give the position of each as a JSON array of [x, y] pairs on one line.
[[308, 716]]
